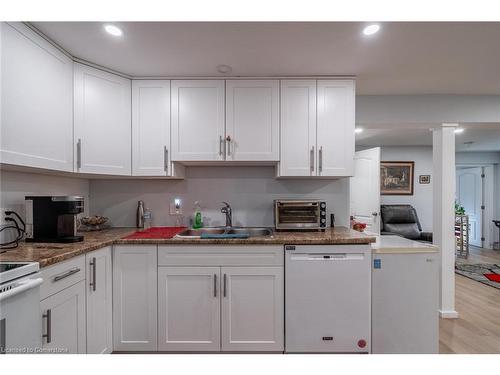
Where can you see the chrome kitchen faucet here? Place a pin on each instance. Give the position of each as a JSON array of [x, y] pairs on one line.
[[229, 214]]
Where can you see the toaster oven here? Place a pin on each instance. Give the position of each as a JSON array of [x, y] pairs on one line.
[[304, 214]]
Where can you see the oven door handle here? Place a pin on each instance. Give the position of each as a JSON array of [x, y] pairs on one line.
[[23, 287]]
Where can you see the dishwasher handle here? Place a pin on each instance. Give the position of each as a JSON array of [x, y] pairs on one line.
[[328, 257]]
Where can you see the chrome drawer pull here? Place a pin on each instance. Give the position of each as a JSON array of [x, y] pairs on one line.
[[215, 285], [48, 335], [93, 283], [66, 274]]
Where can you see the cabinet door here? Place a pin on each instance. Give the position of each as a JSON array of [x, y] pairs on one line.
[[134, 298], [197, 120], [252, 308], [99, 302], [252, 120], [336, 127], [102, 122], [36, 97], [151, 128], [298, 128], [189, 308], [64, 320]]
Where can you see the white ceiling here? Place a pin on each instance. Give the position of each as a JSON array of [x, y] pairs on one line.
[[403, 58], [484, 137]]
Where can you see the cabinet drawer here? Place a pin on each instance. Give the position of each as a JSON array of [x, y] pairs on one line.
[[62, 275], [220, 255]]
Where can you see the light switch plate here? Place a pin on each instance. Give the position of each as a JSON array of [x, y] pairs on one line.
[[176, 206]]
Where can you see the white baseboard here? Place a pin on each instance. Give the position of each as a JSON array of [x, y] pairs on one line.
[[448, 314]]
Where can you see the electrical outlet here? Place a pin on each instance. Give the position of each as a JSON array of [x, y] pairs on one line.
[[176, 206], [3, 216]]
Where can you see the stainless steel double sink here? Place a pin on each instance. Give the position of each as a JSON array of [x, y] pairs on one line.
[[251, 231]]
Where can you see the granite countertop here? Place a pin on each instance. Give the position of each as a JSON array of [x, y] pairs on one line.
[[47, 254]]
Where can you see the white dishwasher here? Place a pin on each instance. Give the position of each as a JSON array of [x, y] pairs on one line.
[[327, 298]]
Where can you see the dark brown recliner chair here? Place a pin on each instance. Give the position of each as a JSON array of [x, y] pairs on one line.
[[402, 220]]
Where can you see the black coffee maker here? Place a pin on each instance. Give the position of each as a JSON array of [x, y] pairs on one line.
[[53, 218]]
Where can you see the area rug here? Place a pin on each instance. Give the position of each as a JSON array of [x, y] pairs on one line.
[[477, 272]]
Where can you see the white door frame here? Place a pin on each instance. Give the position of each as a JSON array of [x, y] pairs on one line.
[[487, 227]]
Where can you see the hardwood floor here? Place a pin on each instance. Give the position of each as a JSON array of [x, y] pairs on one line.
[[477, 330]]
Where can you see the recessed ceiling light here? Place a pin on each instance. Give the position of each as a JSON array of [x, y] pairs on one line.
[[224, 69], [358, 130], [459, 130], [371, 29], [113, 30]]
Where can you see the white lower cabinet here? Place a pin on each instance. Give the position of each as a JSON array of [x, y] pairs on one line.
[[232, 303], [135, 298], [99, 301], [252, 308], [189, 308], [63, 321]]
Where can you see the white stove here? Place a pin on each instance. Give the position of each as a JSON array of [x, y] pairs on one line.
[[13, 270], [20, 323]]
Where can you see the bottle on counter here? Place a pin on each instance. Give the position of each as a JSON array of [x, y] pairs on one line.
[[140, 215], [197, 218], [148, 218]]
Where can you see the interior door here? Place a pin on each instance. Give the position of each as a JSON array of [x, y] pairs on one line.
[[469, 194], [365, 189], [189, 308]]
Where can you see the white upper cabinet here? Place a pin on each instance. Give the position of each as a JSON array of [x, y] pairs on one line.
[[298, 128], [102, 122], [252, 120], [36, 97], [197, 120], [336, 122], [151, 128], [317, 128]]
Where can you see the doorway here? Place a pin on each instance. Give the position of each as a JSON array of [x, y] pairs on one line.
[[474, 192]]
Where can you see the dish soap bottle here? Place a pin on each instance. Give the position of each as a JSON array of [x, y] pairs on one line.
[[197, 220]]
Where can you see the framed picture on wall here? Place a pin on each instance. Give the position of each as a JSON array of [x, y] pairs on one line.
[[396, 177]]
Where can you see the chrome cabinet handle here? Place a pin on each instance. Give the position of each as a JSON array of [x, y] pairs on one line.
[[221, 142], [215, 285], [225, 285], [311, 158], [165, 159], [66, 274], [93, 282], [48, 335], [228, 140], [79, 153], [320, 162], [375, 213], [3, 335]]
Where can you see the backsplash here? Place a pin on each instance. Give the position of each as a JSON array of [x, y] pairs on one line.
[[14, 186], [249, 190]]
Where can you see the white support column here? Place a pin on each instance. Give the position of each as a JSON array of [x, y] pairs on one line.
[[443, 147]]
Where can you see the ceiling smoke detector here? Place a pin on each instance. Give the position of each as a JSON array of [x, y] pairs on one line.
[[224, 69]]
